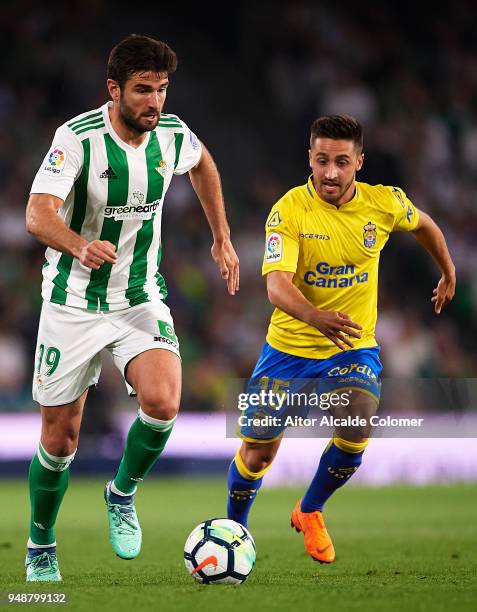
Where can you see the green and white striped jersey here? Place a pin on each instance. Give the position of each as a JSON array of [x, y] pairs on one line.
[[112, 191]]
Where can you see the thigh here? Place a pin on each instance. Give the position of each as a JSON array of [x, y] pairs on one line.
[[147, 342], [156, 377], [67, 359], [353, 416], [353, 370], [266, 407], [353, 377]]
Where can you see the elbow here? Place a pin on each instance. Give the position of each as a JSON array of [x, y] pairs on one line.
[[278, 287], [273, 295], [31, 224], [41, 212]]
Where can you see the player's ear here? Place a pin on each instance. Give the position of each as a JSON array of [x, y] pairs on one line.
[[309, 158], [359, 162], [114, 89]]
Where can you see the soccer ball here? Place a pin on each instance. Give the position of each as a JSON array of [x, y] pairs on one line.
[[219, 551]]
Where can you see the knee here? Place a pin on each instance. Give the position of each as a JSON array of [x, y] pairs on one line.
[[60, 440], [258, 459], [60, 444], [158, 405], [257, 464]]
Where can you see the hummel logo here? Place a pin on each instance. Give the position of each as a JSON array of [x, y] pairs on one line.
[[108, 174]]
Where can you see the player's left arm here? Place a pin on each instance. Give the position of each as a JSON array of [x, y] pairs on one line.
[[205, 180], [428, 233]]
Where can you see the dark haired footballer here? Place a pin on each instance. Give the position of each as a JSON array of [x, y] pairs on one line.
[[96, 202], [323, 242]]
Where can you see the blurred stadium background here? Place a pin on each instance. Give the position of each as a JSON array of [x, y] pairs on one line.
[[250, 89]]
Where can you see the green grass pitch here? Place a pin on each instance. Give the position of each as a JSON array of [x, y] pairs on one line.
[[398, 548]]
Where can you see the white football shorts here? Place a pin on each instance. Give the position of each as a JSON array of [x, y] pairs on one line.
[[67, 359]]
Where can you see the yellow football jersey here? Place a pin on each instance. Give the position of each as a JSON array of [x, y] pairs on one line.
[[334, 255]]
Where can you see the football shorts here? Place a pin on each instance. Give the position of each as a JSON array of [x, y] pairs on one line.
[[294, 378], [67, 357]]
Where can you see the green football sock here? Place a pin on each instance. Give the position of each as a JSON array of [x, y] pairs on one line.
[[145, 442], [48, 480]]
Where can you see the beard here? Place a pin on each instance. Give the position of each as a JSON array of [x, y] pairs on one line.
[[340, 191], [133, 121]]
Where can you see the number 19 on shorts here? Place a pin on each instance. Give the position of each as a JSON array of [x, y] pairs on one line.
[[51, 357]]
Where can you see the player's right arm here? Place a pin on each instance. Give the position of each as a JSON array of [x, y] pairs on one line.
[[51, 186], [282, 247], [336, 326], [43, 222]]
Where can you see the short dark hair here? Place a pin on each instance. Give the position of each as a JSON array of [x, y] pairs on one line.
[[338, 127], [138, 53]]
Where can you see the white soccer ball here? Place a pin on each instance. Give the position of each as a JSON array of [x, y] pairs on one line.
[[219, 551]]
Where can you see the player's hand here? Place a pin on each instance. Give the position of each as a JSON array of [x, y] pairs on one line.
[[337, 326], [224, 255], [444, 292], [96, 253]]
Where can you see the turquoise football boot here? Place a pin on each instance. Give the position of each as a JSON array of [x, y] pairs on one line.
[[42, 565], [124, 530]]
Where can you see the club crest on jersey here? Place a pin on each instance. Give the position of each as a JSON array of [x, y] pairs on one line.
[[369, 235], [162, 168], [136, 198], [275, 220], [273, 250]]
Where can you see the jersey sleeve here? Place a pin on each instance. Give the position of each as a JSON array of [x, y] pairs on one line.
[[406, 215], [188, 151], [61, 165], [282, 240]]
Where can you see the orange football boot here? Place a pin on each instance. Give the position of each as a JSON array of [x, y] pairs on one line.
[[318, 543]]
